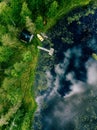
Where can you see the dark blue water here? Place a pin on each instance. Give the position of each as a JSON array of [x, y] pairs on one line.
[[70, 61], [84, 36]]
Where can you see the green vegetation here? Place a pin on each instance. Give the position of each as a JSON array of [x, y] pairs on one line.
[[18, 60], [77, 16], [94, 56]]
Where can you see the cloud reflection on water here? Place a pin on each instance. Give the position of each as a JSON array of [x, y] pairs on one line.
[[61, 110]]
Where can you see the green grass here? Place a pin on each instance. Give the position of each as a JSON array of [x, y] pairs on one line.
[[28, 78]]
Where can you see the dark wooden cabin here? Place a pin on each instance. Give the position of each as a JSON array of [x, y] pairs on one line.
[[26, 36]]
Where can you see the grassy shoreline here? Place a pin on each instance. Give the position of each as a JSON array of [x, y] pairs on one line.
[[63, 11]]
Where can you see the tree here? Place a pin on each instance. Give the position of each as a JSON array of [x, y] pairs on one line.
[[9, 40], [5, 53], [39, 23], [53, 9], [6, 14], [12, 89], [6, 40], [27, 56], [31, 4], [5, 118], [15, 9], [2, 7], [24, 13], [18, 69], [2, 31], [13, 31], [30, 25]]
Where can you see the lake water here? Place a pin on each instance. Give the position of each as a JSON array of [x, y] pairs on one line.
[[68, 102]]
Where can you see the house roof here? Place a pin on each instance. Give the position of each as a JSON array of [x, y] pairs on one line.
[[26, 36]]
